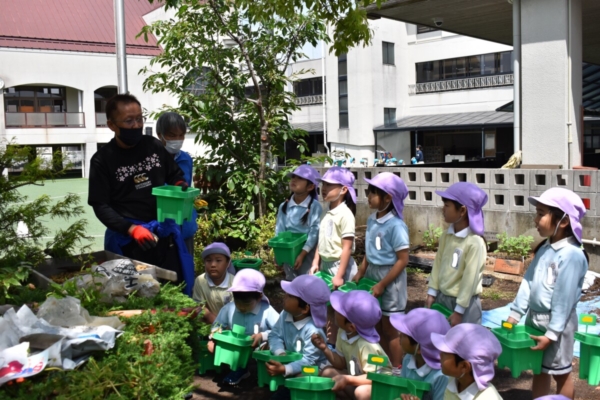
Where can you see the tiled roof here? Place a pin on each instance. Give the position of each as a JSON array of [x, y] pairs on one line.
[[74, 25]]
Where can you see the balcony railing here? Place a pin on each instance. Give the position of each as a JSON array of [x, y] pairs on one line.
[[479, 82], [308, 100], [101, 119], [44, 120]]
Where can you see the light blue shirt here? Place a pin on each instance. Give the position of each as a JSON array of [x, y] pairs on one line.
[[434, 377], [552, 284], [286, 333], [385, 236], [291, 220], [262, 315]]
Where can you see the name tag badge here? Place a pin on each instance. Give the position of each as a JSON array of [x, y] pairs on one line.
[[329, 231], [378, 242], [551, 275], [456, 258]]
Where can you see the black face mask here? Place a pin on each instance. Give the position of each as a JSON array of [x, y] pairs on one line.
[[131, 136]]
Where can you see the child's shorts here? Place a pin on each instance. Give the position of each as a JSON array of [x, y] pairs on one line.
[[559, 355], [332, 267], [291, 273], [472, 313], [395, 296]]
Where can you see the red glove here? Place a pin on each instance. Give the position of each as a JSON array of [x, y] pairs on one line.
[[183, 184], [144, 238]]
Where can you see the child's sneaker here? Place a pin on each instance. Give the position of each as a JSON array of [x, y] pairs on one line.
[[236, 377]]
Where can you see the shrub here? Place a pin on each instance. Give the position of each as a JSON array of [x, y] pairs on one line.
[[518, 246], [431, 237]]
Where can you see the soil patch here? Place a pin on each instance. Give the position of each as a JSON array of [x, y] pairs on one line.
[[593, 292]]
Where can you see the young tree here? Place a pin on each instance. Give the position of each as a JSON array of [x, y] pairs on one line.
[[227, 63], [27, 245]]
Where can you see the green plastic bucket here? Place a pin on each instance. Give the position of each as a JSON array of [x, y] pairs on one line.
[[243, 263], [206, 359], [287, 246], [444, 310], [363, 284], [389, 387], [326, 277], [310, 386], [174, 203], [233, 348], [264, 379], [516, 352], [589, 353]]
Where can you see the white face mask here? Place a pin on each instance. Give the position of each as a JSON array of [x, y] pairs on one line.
[[173, 146]]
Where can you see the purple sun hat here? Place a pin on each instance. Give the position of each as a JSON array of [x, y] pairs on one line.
[[419, 324], [314, 291], [249, 280], [553, 397], [219, 248], [392, 185], [473, 198], [361, 309], [310, 174], [568, 202], [475, 344], [341, 176]]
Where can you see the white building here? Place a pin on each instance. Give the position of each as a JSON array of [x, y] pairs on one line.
[[386, 95], [58, 69]]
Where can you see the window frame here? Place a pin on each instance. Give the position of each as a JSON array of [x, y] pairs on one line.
[[386, 56]]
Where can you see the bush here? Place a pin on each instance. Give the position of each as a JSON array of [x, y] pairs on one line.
[[431, 237], [126, 371], [519, 246]]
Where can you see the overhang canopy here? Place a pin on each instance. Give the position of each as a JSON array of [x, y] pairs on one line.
[[470, 120], [483, 19]]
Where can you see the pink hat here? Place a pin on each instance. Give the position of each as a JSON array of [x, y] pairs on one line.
[[419, 324], [361, 309], [473, 198], [310, 174], [568, 202], [219, 248], [472, 343], [392, 185], [248, 280], [341, 176], [314, 291], [553, 397]]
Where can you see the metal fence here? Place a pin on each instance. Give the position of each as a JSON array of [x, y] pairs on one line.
[[462, 84], [45, 120]]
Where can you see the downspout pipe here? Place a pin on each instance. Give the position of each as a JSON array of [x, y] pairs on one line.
[[324, 74], [121, 46], [517, 75]]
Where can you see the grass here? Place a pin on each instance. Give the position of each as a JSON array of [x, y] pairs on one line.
[[495, 294]]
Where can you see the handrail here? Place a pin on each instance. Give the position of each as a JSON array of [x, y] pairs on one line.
[[478, 82], [44, 120]]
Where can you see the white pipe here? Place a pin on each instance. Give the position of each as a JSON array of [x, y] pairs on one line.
[[121, 46], [593, 242], [324, 90], [569, 90], [517, 75]]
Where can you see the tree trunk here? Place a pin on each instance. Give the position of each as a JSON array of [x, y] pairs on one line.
[[265, 147]]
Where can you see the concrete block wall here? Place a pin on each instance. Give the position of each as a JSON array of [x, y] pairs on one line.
[[507, 209], [507, 190]]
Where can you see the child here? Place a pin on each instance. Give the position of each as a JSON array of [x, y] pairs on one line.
[[457, 272], [251, 309], [211, 287], [356, 314], [336, 234], [422, 359], [304, 314], [386, 247], [468, 352], [300, 213], [551, 287]]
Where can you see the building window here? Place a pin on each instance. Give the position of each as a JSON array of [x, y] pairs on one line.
[[101, 97], [389, 116], [388, 53], [343, 90], [465, 67], [425, 29], [200, 76], [591, 137], [35, 99], [308, 87]]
